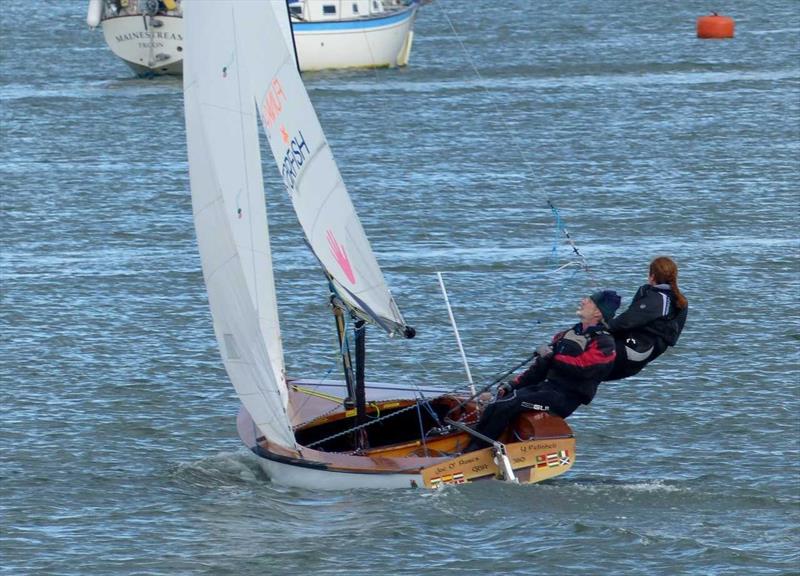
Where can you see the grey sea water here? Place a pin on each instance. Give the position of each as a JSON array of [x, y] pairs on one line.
[[119, 448]]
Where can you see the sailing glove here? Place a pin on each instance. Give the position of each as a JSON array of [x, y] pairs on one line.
[[504, 388], [544, 350]]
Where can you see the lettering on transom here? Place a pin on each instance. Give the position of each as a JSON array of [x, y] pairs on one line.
[[148, 36]]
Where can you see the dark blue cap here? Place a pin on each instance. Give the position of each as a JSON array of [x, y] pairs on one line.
[[607, 301]]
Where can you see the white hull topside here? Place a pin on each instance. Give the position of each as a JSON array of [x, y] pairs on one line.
[[290, 474], [316, 479], [377, 42]]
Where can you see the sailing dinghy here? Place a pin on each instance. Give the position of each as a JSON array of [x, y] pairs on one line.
[[239, 68]]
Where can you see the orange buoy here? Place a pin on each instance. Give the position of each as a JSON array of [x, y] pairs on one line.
[[715, 26]]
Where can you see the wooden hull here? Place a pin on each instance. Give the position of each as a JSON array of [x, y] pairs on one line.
[[532, 461], [409, 462]]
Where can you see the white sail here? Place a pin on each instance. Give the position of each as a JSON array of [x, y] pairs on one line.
[[279, 9], [229, 209], [309, 172]]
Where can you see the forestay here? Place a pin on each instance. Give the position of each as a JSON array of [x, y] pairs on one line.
[[309, 172], [229, 208]]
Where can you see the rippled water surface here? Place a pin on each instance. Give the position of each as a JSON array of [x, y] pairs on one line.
[[119, 448]]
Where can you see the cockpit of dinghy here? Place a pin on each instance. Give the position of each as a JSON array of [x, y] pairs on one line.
[[391, 423]]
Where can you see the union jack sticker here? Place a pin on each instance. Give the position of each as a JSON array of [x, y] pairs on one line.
[[457, 478], [553, 459]]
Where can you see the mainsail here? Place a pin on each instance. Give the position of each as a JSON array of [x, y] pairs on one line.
[[239, 66], [229, 208], [309, 172]]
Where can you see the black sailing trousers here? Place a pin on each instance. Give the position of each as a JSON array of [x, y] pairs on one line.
[[547, 397]]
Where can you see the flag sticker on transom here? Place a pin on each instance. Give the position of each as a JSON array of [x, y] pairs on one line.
[[560, 458], [457, 478]]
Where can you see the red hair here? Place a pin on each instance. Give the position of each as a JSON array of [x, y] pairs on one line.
[[665, 271]]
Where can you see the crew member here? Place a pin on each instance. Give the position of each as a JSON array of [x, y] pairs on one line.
[[565, 373], [653, 321]]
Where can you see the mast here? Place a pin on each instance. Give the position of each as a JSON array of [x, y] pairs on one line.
[[344, 350], [361, 395], [354, 377]]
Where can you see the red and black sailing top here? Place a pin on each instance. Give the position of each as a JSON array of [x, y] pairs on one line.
[[581, 359]]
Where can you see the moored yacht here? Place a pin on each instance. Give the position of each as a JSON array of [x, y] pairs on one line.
[[146, 34], [329, 34], [353, 33]]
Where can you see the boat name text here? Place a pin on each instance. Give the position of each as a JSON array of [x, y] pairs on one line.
[[296, 155], [460, 464], [148, 36], [538, 446]]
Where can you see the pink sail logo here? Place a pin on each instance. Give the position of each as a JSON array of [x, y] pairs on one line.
[[340, 254]]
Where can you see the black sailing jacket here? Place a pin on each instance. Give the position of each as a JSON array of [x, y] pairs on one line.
[[581, 359], [646, 329]]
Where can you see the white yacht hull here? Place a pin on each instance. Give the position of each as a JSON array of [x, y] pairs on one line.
[[149, 48], [366, 43], [378, 42]]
